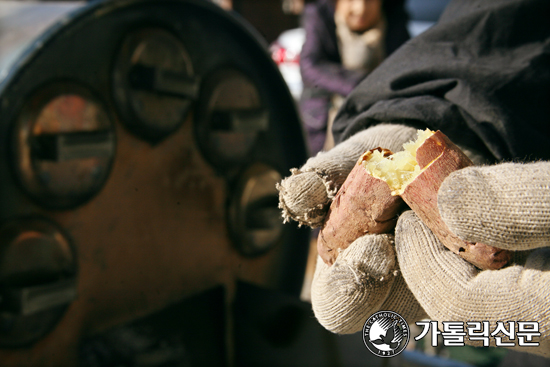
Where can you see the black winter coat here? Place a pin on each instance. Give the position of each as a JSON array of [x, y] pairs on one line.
[[481, 76]]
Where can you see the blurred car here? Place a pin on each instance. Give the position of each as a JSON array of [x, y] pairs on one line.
[[285, 50]]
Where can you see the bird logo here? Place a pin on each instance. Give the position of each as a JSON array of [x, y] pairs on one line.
[[392, 336], [386, 333]]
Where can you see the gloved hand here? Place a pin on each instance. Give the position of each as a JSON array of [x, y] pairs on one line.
[[365, 277], [506, 206], [306, 195]]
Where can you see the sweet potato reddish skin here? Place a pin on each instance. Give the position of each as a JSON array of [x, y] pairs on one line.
[[443, 157], [363, 204]]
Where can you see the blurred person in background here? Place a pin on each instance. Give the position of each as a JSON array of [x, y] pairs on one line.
[[345, 41]]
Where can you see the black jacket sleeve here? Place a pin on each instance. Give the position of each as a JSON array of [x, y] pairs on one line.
[[481, 75]]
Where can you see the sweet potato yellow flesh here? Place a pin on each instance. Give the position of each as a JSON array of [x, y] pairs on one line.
[[400, 168]]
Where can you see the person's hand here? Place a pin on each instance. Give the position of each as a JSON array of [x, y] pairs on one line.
[[364, 277], [305, 196], [506, 206]]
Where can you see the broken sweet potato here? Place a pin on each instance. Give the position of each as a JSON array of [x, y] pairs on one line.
[[370, 198]]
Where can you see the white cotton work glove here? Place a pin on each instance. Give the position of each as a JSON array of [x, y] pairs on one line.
[[365, 277], [305, 196], [506, 206]]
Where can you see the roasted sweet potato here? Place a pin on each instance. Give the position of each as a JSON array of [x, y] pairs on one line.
[[414, 174]]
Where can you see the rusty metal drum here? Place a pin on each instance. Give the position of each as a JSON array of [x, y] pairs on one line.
[[141, 144]]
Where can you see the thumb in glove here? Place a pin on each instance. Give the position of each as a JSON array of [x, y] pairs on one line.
[[505, 206]]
